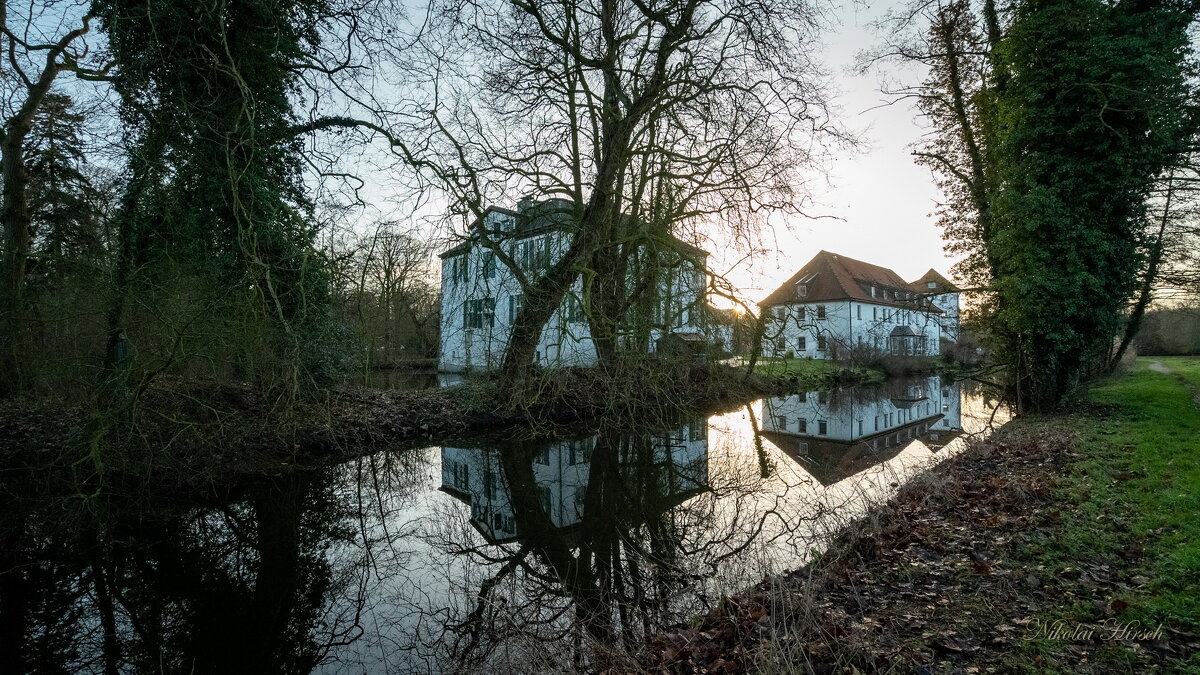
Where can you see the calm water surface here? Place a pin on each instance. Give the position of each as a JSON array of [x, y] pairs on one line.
[[515, 554]]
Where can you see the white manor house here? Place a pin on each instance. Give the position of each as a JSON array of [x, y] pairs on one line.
[[481, 296], [835, 306]]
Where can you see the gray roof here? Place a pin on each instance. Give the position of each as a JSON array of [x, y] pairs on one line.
[[546, 216]]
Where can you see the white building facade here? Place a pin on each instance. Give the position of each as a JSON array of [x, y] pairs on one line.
[[944, 295], [481, 296], [837, 307]]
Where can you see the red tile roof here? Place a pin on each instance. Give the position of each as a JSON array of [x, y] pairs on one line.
[[835, 277], [943, 284]]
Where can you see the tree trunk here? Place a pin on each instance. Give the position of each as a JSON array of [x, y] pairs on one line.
[[15, 217], [1134, 323]]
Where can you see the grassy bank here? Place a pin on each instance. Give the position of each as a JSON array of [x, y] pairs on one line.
[[1136, 487], [815, 372], [1066, 543]]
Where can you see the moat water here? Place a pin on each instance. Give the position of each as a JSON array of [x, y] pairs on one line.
[[530, 551]]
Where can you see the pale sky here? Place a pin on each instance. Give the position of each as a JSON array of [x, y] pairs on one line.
[[875, 205]]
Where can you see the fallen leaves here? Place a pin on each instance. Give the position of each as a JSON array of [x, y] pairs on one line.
[[944, 585]]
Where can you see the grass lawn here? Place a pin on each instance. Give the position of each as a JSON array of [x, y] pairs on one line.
[[815, 371], [1133, 500]]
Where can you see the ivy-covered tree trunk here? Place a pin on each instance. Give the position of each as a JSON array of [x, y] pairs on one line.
[[216, 81], [1095, 106], [15, 212]]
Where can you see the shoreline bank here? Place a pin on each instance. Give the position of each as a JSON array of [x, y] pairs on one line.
[[1055, 545]]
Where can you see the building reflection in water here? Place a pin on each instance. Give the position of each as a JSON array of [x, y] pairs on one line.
[[671, 467], [522, 552], [837, 434]]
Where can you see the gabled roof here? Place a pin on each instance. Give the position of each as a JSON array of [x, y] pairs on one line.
[[829, 276], [944, 285]]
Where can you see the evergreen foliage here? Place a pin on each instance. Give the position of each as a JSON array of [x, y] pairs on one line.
[[1094, 107], [208, 90], [1054, 124]]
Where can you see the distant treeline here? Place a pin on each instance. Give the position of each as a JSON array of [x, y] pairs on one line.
[[1170, 332]]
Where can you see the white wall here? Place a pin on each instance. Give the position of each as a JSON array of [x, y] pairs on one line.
[[847, 324], [563, 342]]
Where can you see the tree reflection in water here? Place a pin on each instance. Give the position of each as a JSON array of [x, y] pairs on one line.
[[173, 585], [522, 553]]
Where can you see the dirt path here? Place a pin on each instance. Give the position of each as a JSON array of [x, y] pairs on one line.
[[1158, 367]]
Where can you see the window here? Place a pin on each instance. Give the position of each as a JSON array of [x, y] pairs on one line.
[[515, 303], [781, 423], [820, 311], [802, 290], [489, 483], [822, 397], [821, 343], [860, 427], [931, 284], [581, 452], [822, 427], [682, 317], [458, 269], [801, 312], [877, 423], [502, 522], [872, 291], [781, 313], [945, 407], [780, 344], [801, 343], [858, 309], [479, 313], [802, 425], [489, 265], [534, 254], [461, 475], [875, 313], [542, 457]]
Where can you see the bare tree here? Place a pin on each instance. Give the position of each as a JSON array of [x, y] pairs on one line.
[[387, 291], [641, 116], [38, 41]]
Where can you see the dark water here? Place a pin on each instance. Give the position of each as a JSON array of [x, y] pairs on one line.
[[518, 554]]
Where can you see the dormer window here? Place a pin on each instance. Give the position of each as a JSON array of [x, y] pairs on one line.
[[931, 284], [872, 291], [801, 290]]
